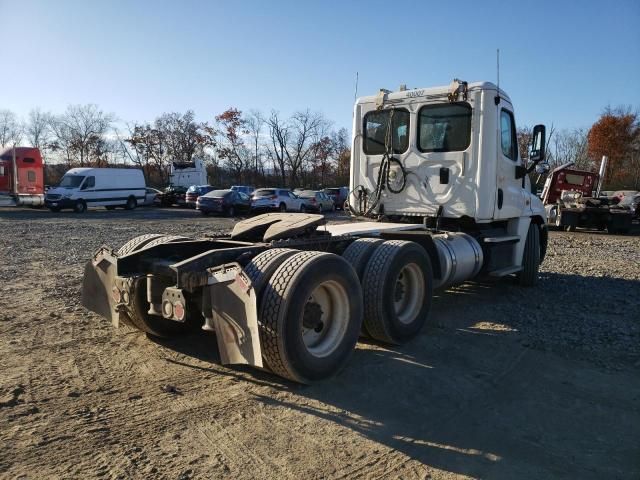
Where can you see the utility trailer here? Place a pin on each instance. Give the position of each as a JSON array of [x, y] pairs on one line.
[[441, 196], [572, 199]]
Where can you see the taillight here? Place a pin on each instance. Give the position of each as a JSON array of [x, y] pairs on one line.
[[313, 200], [273, 197]]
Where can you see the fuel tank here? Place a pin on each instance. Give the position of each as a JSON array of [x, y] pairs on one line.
[[460, 258]]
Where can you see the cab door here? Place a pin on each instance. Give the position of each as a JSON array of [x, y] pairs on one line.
[[509, 192], [87, 191]]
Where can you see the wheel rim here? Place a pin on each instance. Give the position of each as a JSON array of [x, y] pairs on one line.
[[408, 294], [326, 318]]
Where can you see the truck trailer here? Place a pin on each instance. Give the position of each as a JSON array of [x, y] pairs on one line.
[[439, 195]]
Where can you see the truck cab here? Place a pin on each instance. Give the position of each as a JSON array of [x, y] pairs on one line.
[[448, 157], [452, 155], [21, 177]]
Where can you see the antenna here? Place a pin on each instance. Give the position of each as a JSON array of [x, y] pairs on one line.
[[498, 66], [497, 99], [355, 93]]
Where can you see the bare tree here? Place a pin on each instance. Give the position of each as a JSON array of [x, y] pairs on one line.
[[38, 130], [254, 123], [279, 138], [306, 128], [86, 127], [572, 146], [11, 129], [62, 140], [182, 136], [173, 137], [342, 152]]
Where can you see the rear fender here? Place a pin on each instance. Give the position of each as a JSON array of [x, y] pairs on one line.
[[230, 308], [98, 283]]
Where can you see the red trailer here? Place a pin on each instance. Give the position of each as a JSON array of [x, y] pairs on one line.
[[21, 177]]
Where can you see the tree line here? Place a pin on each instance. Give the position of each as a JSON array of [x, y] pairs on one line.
[[300, 150]]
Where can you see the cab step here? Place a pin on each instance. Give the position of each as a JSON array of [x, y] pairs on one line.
[[506, 239], [504, 271]]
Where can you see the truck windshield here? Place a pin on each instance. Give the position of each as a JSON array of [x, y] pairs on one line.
[[71, 181], [376, 126]]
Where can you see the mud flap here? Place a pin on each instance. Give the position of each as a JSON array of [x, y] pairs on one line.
[[97, 284], [234, 315]]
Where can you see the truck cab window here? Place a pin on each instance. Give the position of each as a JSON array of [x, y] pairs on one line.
[[376, 126], [508, 135], [1, 170], [89, 183], [444, 127]]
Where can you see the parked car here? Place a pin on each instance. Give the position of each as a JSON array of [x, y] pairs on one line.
[[224, 202], [173, 195], [194, 191], [280, 199], [80, 188], [339, 195], [317, 201], [150, 196], [243, 188]]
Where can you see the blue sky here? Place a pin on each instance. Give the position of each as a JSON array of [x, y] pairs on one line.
[[561, 62]]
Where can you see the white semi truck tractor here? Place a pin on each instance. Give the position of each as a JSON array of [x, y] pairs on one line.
[[440, 196]]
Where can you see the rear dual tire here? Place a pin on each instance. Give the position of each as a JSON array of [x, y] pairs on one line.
[[398, 290], [138, 309], [310, 312]]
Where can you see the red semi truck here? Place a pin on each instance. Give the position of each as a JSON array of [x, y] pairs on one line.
[[572, 199], [21, 177]]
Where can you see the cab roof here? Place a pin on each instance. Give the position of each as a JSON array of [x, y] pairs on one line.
[[417, 94]]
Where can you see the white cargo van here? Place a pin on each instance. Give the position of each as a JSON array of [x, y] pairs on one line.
[[97, 187]]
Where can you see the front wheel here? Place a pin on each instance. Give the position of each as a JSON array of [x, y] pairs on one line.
[[528, 276], [282, 208], [131, 203], [80, 207]]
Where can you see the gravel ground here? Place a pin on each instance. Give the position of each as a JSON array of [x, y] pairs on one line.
[[505, 383]]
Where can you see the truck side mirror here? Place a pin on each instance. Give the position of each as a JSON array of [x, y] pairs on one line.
[[538, 144]]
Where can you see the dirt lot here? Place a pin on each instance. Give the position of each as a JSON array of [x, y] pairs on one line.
[[507, 382]]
